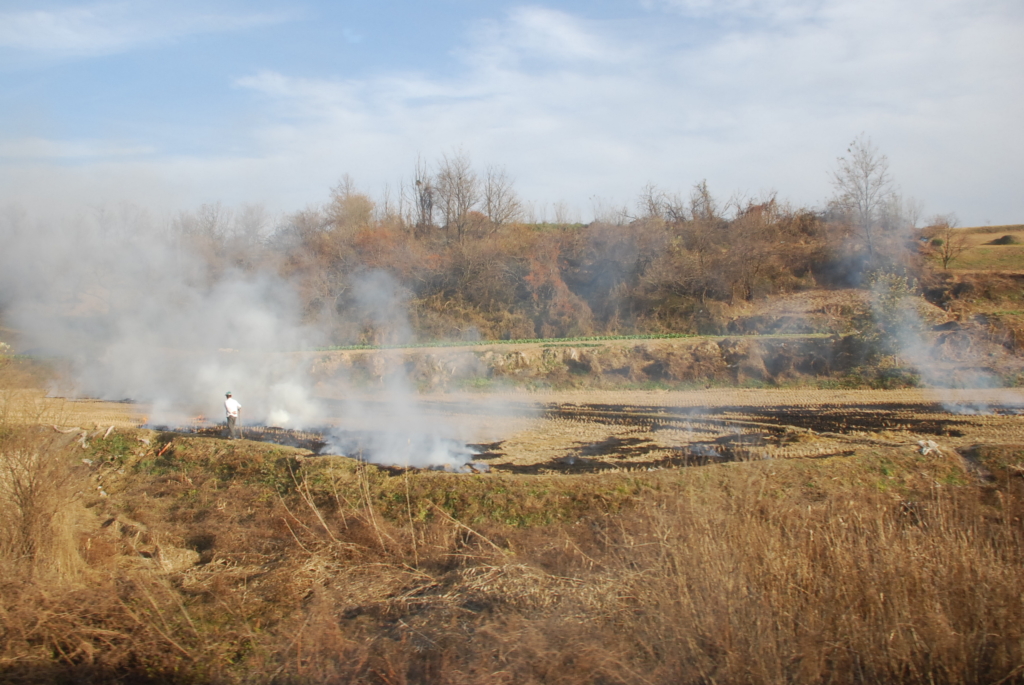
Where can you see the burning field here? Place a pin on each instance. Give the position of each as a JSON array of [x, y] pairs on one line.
[[725, 535], [645, 431], [580, 432]]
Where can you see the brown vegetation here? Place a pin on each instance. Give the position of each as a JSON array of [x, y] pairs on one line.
[[168, 558], [458, 254], [454, 251]]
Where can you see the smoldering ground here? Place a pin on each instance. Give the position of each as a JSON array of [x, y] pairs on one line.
[[142, 316], [391, 424], [146, 312], [931, 349]]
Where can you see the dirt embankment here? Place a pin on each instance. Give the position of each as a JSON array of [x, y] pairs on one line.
[[792, 338], [730, 360]]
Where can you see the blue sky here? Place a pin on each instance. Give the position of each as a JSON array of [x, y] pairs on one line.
[[170, 105]]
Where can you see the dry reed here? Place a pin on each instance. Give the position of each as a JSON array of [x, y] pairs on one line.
[[724, 579]]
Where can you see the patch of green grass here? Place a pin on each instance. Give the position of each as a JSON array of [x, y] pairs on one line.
[[990, 257], [116, 448], [519, 341], [954, 479], [572, 345], [480, 383]]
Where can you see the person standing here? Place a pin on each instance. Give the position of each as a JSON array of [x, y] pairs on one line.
[[231, 407]]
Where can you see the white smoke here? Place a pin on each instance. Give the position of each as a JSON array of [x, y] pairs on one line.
[[917, 345], [392, 424], [138, 313]]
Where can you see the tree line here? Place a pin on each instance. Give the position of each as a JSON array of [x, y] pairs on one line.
[[456, 249]]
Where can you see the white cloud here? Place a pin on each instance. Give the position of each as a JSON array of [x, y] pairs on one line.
[[554, 34], [104, 28], [752, 109], [779, 10], [577, 109]]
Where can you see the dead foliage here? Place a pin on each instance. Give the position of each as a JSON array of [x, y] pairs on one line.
[[880, 567]]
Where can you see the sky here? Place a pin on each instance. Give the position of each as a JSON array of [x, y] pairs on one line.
[[171, 105]]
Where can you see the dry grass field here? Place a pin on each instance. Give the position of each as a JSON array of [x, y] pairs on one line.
[[594, 431], [599, 430], [714, 536], [588, 431], [985, 253]]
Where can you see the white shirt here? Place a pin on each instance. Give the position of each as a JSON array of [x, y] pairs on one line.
[[231, 406]]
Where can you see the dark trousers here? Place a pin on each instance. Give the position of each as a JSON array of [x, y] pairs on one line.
[[233, 431]]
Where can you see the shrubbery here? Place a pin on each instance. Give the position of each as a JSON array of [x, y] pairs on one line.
[[657, 273]]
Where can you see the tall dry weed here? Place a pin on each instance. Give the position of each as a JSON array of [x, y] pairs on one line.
[[749, 589], [40, 490]]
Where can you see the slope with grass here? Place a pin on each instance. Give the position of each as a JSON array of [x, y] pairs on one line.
[[991, 249]]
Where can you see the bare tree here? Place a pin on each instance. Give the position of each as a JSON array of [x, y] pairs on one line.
[[501, 203], [249, 231], [754, 240], [564, 214], [703, 206], [458, 192], [204, 232], [864, 190], [252, 224], [391, 208], [301, 233], [123, 221], [210, 222], [653, 203], [346, 186], [675, 208], [911, 210], [423, 205], [947, 242]]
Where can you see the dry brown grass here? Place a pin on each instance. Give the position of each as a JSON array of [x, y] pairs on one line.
[[850, 570], [749, 589], [39, 504]]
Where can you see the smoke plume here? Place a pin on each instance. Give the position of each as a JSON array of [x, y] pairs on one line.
[[140, 312]]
